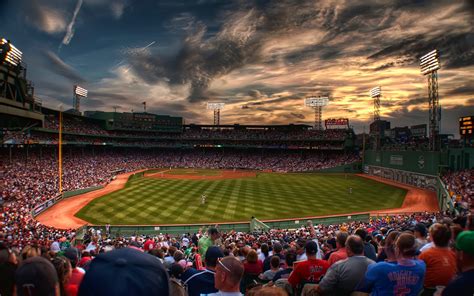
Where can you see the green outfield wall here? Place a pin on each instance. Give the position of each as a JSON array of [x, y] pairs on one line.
[[461, 158], [423, 162], [128, 230]]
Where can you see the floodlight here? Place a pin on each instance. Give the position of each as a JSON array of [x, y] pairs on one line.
[[316, 101], [317, 104], [376, 92], [13, 55], [215, 106], [430, 62], [79, 91]]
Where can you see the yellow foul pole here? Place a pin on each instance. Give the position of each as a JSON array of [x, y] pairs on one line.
[[60, 151]]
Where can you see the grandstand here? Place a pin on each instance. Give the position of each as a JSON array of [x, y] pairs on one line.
[[108, 180]]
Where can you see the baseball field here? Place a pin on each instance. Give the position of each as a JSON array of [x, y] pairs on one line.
[[176, 197]]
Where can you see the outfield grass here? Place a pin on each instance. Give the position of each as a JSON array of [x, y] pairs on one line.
[[268, 196]]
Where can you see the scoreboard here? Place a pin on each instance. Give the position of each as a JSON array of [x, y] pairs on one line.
[[337, 123], [466, 126]]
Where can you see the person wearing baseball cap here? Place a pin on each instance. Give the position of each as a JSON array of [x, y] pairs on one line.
[[463, 284], [36, 276], [310, 270], [125, 271], [202, 281]]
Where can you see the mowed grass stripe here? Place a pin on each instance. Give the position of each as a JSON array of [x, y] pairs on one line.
[[268, 196]]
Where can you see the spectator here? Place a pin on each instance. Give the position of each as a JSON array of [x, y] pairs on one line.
[[369, 250], [440, 260], [463, 285], [8, 265], [310, 270], [420, 233], [229, 272], [176, 285], [341, 253], [275, 267], [253, 265], [388, 252], [77, 273], [36, 276], [264, 252], [290, 258], [202, 281], [125, 272], [209, 240], [343, 276], [404, 278], [169, 258], [63, 270], [277, 249]]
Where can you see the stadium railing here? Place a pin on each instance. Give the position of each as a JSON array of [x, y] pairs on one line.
[[444, 198]]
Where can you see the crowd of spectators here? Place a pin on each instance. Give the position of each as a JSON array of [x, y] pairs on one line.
[[460, 185], [41, 137], [84, 126], [73, 124], [416, 254]]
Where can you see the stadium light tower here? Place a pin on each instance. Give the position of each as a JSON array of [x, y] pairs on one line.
[[376, 93], [79, 93], [317, 103], [429, 64], [216, 107], [10, 53]]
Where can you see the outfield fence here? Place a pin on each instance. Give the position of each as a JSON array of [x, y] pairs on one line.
[[129, 230]]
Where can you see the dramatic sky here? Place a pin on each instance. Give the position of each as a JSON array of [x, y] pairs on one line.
[[261, 58]]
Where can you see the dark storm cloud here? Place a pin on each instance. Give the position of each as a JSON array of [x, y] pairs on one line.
[[58, 66], [416, 101], [254, 93], [201, 59], [456, 49], [463, 90]]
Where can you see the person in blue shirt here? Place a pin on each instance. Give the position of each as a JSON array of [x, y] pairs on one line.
[[202, 281], [405, 278]]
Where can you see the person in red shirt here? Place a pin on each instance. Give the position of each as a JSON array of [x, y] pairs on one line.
[[252, 264], [341, 253], [149, 244], [310, 270], [77, 273]]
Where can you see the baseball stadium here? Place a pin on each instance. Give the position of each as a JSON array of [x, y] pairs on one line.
[[85, 183]]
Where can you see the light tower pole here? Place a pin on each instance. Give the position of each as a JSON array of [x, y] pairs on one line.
[[78, 94], [216, 107], [317, 103], [376, 93], [429, 64]]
